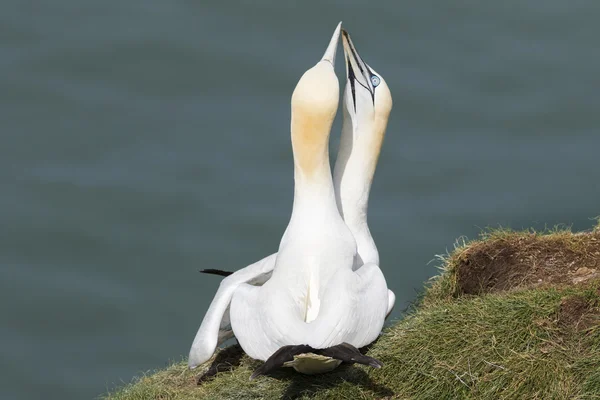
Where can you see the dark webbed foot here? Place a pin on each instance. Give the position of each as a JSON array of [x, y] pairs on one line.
[[280, 357], [344, 352], [347, 353], [216, 272]]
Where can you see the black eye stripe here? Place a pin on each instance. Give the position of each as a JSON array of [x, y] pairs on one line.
[[356, 57], [367, 73], [352, 79]]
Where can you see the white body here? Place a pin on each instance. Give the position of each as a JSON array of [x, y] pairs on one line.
[[216, 326], [318, 290]]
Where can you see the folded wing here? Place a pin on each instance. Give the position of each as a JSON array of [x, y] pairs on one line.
[[216, 327]]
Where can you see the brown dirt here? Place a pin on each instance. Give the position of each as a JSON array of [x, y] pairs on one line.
[[578, 313], [505, 261]]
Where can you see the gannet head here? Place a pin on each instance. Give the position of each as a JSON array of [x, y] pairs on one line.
[[314, 105], [367, 98]]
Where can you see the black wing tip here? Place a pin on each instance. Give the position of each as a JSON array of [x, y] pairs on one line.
[[219, 272]]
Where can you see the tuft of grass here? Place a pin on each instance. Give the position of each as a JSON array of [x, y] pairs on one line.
[[502, 259], [528, 340], [509, 345]]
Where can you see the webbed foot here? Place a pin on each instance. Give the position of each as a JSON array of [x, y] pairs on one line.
[[347, 353], [323, 360], [280, 357]]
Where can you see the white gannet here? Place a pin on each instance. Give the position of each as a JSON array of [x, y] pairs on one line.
[[317, 299], [360, 128], [367, 106]]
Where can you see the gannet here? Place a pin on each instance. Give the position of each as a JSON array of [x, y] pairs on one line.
[[315, 300], [367, 107], [367, 104]]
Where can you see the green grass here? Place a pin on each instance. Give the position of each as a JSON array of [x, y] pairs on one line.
[[530, 343]]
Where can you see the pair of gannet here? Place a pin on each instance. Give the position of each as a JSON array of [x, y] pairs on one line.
[[322, 295]]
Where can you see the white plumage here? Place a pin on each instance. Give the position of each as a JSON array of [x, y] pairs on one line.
[[317, 290]]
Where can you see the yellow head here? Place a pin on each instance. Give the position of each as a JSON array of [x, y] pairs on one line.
[[314, 105]]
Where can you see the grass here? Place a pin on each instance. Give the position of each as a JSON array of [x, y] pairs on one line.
[[508, 336]]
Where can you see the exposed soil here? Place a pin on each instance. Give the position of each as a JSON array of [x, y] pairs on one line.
[[578, 313], [522, 260]]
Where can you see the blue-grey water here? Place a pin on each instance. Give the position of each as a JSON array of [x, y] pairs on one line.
[[144, 140]]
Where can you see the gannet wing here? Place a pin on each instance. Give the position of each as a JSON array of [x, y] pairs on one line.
[[215, 327], [353, 308], [373, 303], [248, 313], [391, 296], [225, 331], [391, 302], [267, 318]]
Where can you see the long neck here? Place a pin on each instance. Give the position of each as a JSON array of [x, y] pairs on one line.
[[354, 170], [313, 190]]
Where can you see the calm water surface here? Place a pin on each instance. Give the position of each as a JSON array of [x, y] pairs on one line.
[[144, 140]]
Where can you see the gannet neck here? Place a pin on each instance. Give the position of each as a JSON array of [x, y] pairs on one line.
[[310, 145], [355, 166], [367, 105], [353, 176], [313, 188], [314, 105]]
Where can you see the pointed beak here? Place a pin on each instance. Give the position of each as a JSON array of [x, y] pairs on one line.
[[332, 48], [357, 71]]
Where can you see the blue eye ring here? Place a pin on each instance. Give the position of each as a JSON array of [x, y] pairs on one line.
[[375, 80]]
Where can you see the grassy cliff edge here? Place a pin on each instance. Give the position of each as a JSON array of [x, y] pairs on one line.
[[512, 315]]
